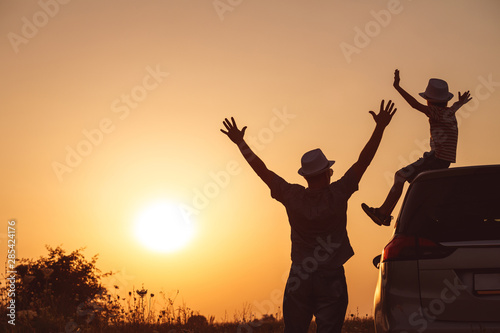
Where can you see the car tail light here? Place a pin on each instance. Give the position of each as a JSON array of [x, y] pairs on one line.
[[403, 247], [400, 248]]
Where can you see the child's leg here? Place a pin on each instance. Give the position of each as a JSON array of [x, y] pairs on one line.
[[382, 215], [394, 194], [407, 174]]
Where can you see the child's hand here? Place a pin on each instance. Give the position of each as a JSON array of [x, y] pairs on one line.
[[396, 78], [233, 132], [462, 99], [383, 118]]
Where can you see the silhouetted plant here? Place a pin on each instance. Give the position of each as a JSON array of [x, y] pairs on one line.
[[62, 292], [61, 286], [167, 311]]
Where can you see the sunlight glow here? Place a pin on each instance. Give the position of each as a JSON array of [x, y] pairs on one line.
[[163, 227]]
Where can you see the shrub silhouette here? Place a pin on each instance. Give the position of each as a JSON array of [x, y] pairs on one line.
[[60, 285], [197, 321]]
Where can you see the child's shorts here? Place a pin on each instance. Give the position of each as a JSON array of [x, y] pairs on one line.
[[426, 163]]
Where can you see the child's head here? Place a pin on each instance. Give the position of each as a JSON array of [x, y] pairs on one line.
[[437, 93]]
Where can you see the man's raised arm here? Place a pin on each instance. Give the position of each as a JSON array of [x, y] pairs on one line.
[[236, 135], [382, 119]]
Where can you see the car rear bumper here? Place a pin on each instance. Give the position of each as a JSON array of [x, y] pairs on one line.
[[443, 327], [452, 327]]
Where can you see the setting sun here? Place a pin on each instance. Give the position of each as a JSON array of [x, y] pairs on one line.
[[162, 226]]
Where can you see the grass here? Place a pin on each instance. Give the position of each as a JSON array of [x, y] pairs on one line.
[[269, 325], [148, 313], [63, 292]]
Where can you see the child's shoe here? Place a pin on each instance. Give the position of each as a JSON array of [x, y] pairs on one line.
[[374, 214]]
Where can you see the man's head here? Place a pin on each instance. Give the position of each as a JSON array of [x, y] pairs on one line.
[[316, 168]]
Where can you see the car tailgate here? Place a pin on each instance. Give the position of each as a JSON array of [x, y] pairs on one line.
[[464, 286]]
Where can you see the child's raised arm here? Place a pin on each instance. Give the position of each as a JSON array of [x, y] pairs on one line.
[[409, 98]]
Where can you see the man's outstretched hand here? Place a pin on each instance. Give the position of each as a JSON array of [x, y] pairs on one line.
[[383, 118], [233, 132]]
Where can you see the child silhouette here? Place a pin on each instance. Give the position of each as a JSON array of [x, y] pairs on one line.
[[443, 141]]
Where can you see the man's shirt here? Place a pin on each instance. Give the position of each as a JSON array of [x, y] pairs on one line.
[[318, 220]]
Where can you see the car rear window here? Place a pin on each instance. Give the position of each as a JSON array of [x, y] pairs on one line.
[[459, 208]]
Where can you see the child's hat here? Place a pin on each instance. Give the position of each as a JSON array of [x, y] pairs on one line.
[[437, 91], [314, 162]]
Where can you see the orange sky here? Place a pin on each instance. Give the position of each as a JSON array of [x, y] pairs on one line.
[[110, 106]]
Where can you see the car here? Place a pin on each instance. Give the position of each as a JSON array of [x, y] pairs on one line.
[[440, 271]]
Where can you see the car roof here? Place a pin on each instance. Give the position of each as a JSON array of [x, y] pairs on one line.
[[458, 171]]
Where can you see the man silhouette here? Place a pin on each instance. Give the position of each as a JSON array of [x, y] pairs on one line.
[[317, 214]]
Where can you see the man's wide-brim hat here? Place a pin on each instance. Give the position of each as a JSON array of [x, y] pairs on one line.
[[314, 162], [437, 91]]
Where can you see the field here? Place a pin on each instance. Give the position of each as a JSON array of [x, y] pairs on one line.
[[351, 325], [63, 292]]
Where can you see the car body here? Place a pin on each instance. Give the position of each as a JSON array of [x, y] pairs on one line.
[[440, 272]]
